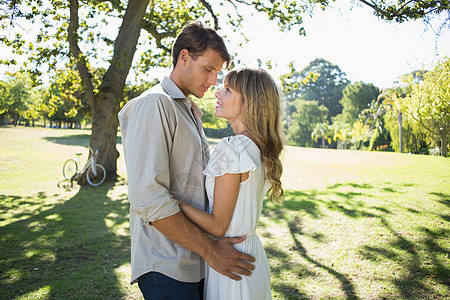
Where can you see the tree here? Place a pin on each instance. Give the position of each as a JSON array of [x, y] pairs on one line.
[[414, 138], [429, 102], [391, 100], [308, 114], [321, 81], [4, 101], [18, 96], [360, 133], [342, 134], [33, 111], [84, 31], [322, 131], [404, 10], [64, 98], [357, 97], [373, 117]]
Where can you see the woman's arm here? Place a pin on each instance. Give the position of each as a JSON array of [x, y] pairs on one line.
[[226, 190]]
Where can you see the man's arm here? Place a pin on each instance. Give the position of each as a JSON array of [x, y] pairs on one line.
[[220, 254]]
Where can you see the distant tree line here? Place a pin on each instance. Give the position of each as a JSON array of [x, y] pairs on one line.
[[61, 104], [321, 108]]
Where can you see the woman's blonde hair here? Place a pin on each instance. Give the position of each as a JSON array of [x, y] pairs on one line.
[[261, 114]]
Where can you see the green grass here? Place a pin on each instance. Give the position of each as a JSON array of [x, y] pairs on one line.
[[355, 225]]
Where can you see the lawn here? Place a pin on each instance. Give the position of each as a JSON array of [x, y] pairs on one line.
[[355, 225]]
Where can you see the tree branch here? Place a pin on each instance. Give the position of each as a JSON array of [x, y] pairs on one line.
[[151, 28], [213, 15], [76, 53], [115, 3], [373, 6], [125, 47]]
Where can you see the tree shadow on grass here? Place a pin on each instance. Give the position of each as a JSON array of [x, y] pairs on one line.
[[70, 140], [74, 139], [69, 249], [418, 267], [443, 198], [346, 285], [306, 202], [422, 260], [281, 262]]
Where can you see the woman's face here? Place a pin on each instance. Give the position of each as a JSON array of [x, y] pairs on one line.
[[229, 104]]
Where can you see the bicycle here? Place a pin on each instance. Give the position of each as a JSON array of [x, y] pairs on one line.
[[95, 175]]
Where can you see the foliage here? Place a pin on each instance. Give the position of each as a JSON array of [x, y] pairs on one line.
[[320, 80], [35, 106], [4, 97], [308, 114], [404, 10], [429, 102], [361, 133], [64, 98], [414, 136], [322, 131], [16, 96], [97, 24], [373, 117], [357, 97], [342, 134]]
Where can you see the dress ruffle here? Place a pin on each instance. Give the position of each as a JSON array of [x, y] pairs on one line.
[[231, 155]]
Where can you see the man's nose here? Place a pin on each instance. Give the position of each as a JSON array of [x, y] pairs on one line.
[[212, 78]]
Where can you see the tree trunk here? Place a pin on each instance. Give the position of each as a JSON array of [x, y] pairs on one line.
[[104, 132], [444, 142]]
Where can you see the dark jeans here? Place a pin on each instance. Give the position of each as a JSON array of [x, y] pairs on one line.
[[155, 285]]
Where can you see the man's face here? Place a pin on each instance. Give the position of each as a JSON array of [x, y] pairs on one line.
[[199, 74]]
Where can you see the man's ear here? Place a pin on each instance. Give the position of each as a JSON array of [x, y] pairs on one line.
[[184, 56]]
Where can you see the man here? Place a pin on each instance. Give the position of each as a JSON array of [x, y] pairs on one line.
[[165, 153]]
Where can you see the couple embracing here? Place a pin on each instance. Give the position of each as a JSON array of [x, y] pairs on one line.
[[193, 215]]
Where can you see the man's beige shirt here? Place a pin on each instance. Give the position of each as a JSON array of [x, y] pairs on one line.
[[165, 153]]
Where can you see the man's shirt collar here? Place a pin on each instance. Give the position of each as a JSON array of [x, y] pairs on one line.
[[175, 93], [172, 89]]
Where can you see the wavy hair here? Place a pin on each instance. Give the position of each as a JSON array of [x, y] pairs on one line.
[[261, 114]]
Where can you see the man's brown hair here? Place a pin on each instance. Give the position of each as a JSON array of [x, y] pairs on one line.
[[197, 39]]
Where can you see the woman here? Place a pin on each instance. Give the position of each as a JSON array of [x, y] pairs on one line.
[[242, 169]]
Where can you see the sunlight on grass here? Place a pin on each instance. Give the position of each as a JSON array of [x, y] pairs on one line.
[[123, 275], [41, 293], [13, 275]]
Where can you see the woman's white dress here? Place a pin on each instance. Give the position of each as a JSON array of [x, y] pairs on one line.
[[238, 154]]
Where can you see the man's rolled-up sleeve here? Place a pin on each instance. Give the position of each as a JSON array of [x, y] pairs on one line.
[[147, 140]]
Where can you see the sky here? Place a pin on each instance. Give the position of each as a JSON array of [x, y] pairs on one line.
[[365, 48]]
